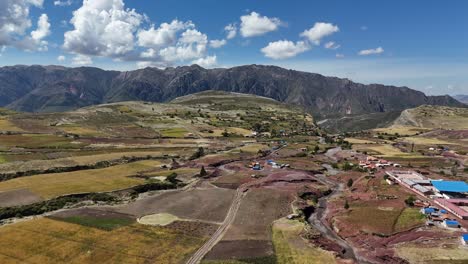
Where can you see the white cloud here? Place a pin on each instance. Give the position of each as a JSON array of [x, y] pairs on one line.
[[217, 43], [103, 28], [231, 31], [207, 62], [15, 21], [166, 34], [43, 28], [378, 50], [339, 55], [255, 25], [284, 49], [82, 60], [332, 45], [63, 3], [191, 45], [320, 30], [61, 58]]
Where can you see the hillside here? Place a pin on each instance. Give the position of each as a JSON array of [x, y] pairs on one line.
[[207, 114], [434, 117], [462, 98], [54, 88]]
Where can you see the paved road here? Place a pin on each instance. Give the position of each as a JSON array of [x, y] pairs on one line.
[[218, 235]]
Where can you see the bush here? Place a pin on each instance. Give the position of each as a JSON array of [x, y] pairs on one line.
[[410, 200], [350, 183]]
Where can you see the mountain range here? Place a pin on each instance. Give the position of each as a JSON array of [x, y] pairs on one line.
[[462, 98], [56, 88]]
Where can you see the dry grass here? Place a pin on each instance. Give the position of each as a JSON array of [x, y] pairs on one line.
[[451, 253], [426, 141], [384, 150], [402, 130], [51, 241], [98, 180], [6, 125], [162, 219], [291, 248]]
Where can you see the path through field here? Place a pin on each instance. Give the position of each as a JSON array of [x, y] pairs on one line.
[[218, 235]]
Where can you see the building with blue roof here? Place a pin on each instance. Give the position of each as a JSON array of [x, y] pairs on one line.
[[451, 223], [464, 239], [451, 189]]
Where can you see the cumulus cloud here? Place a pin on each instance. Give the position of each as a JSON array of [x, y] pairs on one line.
[[332, 45], [191, 45], [367, 52], [231, 31], [61, 58], [284, 49], [207, 62], [320, 30], [216, 43], [43, 28], [63, 3], [165, 34], [102, 28], [15, 21], [82, 60], [254, 24]]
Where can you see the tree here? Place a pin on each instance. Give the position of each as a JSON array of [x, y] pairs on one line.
[[347, 166], [172, 178], [203, 172], [225, 133], [346, 205], [410, 200], [454, 171], [350, 183], [199, 153]]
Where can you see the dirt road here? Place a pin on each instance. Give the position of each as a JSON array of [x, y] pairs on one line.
[[218, 235]]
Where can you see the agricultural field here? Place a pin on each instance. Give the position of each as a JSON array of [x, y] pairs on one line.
[[78, 241], [291, 247], [99, 180]]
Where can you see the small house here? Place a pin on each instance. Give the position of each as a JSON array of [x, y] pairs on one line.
[[451, 223], [464, 239], [428, 210]]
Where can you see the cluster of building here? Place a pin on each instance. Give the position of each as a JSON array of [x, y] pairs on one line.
[[451, 196], [375, 163]]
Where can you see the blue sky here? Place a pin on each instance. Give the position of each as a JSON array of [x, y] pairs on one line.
[[420, 44]]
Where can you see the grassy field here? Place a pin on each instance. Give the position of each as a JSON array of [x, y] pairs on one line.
[[291, 248], [98, 180], [176, 132], [51, 241], [385, 151], [99, 222], [452, 253], [409, 217], [36, 141], [426, 141]]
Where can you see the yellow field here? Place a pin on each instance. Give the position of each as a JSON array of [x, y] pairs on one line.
[[386, 151], [51, 241], [359, 141], [451, 253], [426, 141], [291, 248], [6, 125], [99, 180], [82, 131]]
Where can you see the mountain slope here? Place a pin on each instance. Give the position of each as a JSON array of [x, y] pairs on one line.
[[53, 88], [461, 98], [429, 116]]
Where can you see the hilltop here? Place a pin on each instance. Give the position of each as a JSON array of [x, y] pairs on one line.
[[55, 89], [434, 117]]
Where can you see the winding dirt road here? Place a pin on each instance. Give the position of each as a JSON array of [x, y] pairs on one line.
[[218, 235]]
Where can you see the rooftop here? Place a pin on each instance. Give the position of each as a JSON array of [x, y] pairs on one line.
[[451, 186]]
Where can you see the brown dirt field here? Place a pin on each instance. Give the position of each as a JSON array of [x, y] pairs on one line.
[[18, 197], [193, 228], [259, 208], [202, 204], [240, 249]]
